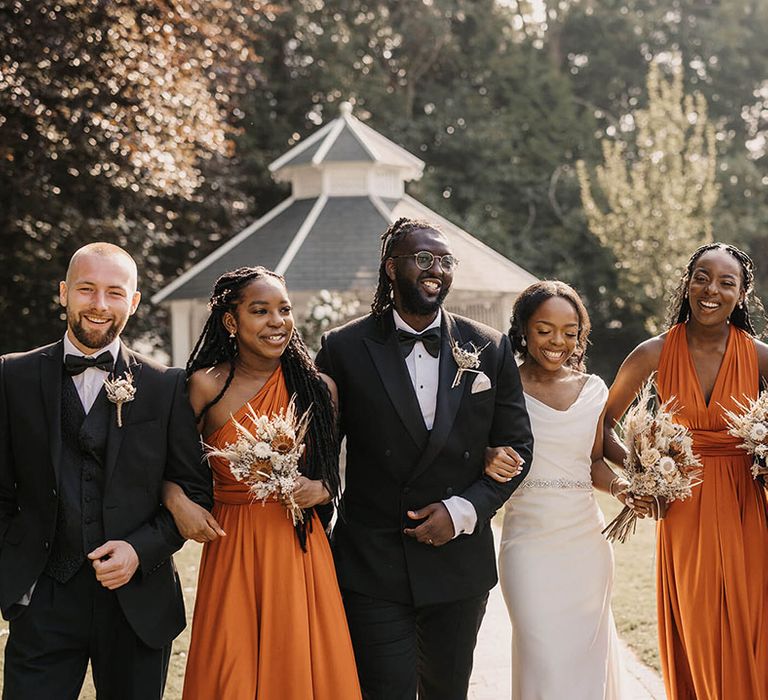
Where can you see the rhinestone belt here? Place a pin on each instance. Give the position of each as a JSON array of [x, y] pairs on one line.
[[556, 484]]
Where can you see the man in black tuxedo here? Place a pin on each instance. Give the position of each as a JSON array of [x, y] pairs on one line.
[[413, 544], [85, 547]]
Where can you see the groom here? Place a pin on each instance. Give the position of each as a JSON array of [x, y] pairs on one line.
[[85, 547], [413, 544]]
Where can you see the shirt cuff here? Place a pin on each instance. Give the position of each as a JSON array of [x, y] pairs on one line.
[[26, 599], [463, 515]]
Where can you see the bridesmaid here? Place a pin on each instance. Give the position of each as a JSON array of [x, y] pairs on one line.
[[269, 621], [555, 566], [712, 549]]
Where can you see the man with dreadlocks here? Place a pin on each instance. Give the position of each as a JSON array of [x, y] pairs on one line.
[[269, 621], [413, 544], [85, 548], [712, 555]]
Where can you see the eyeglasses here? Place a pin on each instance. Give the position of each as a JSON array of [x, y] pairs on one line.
[[424, 260]]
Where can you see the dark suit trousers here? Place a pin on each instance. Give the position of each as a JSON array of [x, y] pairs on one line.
[[65, 626], [401, 649]]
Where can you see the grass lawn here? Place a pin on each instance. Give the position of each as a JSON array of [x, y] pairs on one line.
[[186, 562], [634, 591], [634, 601]]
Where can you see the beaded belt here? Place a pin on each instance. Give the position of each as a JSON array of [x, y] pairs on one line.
[[556, 484]]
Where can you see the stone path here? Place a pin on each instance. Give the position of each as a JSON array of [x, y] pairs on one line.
[[492, 669]]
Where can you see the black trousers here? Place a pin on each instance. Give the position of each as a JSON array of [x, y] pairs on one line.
[[401, 649], [65, 626]]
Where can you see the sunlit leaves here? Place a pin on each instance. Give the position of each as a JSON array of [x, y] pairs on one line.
[[147, 82], [659, 192], [114, 114]]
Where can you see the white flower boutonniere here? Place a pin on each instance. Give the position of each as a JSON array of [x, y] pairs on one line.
[[120, 390], [467, 358]]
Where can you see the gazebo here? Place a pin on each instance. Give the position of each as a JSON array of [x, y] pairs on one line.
[[347, 186]]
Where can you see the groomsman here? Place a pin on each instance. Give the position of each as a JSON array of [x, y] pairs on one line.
[[88, 431], [422, 393]]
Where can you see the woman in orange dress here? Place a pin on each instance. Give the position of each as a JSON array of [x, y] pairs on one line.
[[269, 622], [712, 549]]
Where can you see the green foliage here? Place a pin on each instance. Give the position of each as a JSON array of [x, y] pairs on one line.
[[659, 189], [605, 47], [324, 312], [151, 124], [115, 119]]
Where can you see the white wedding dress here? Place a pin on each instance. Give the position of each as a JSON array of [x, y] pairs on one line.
[[556, 568]]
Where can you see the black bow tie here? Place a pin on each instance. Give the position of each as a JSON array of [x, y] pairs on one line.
[[77, 364], [430, 338]]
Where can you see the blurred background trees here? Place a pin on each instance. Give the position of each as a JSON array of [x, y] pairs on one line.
[[151, 123], [660, 192], [115, 123]]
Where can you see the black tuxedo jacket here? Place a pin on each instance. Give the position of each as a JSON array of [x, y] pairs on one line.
[[158, 440], [394, 464]]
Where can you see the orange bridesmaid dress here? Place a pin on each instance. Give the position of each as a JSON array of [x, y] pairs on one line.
[[712, 549], [269, 622]]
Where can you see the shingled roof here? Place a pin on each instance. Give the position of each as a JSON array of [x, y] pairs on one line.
[[348, 185], [347, 140]]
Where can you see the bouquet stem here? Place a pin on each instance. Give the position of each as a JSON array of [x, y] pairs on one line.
[[622, 526]]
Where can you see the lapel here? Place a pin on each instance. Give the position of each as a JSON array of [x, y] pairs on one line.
[[448, 399], [125, 361], [384, 349], [51, 369]]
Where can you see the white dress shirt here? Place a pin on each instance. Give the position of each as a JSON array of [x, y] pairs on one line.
[[424, 371], [89, 382]]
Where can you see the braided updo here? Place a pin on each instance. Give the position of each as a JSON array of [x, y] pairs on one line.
[[680, 306], [214, 347]]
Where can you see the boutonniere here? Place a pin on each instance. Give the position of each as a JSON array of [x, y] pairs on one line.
[[467, 358], [120, 390]]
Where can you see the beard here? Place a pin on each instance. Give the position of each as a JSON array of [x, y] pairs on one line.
[[412, 298], [94, 339]]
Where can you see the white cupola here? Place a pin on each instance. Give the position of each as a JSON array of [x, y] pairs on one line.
[[346, 158]]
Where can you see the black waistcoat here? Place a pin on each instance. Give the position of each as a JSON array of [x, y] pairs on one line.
[[79, 521]]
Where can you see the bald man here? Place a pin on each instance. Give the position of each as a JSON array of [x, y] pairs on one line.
[[86, 569]]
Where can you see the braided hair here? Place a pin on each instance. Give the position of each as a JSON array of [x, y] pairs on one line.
[[382, 299], [680, 307], [530, 299], [214, 346]]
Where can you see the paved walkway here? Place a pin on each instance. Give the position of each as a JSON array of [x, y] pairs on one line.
[[491, 677]]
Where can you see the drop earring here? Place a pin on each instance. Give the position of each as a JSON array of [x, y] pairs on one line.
[[523, 342]]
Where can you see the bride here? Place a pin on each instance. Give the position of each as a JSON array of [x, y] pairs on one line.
[[555, 566]]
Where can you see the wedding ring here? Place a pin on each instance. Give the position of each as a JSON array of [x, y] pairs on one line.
[[431, 541]]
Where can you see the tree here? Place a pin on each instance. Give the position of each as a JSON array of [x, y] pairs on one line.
[[111, 114], [605, 46], [659, 192], [496, 124]]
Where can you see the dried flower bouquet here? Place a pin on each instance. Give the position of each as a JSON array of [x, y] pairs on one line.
[[660, 461], [750, 424], [266, 455]]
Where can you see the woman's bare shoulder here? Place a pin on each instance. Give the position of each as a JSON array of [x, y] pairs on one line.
[[332, 389], [645, 357], [762, 358], [206, 383]]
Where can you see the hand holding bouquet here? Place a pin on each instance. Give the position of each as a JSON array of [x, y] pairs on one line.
[[750, 424], [660, 460], [266, 456]]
